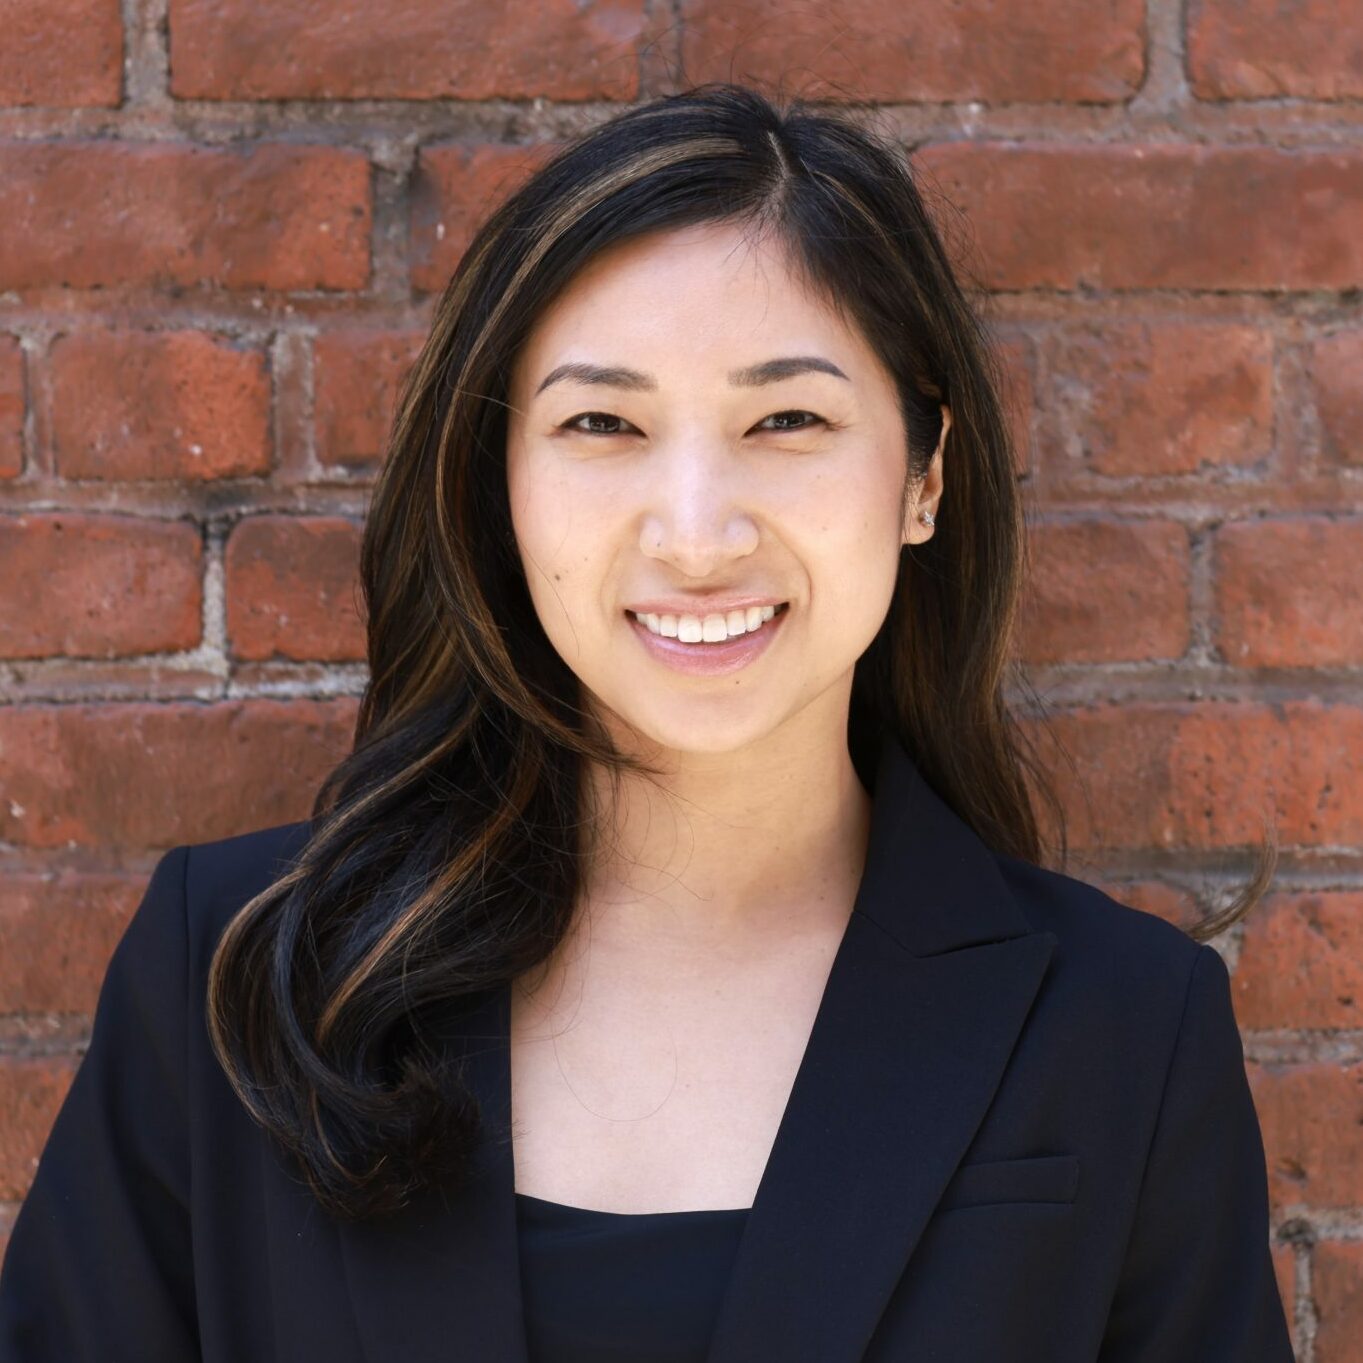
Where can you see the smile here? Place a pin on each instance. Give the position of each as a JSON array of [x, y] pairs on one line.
[[709, 629], [712, 657]]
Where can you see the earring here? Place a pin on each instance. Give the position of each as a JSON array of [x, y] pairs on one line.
[[926, 517]]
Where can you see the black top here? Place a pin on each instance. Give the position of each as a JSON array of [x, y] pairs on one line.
[[622, 1287]]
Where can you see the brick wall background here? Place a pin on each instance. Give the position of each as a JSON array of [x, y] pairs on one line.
[[224, 222]]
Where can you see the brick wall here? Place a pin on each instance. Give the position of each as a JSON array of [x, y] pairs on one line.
[[224, 224]]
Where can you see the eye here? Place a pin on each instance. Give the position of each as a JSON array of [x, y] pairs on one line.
[[804, 426], [571, 423]]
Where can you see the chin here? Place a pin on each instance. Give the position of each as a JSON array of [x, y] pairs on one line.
[[699, 729]]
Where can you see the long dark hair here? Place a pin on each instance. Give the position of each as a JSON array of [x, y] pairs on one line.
[[446, 851]]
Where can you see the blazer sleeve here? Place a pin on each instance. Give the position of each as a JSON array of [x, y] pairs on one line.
[[99, 1264], [1197, 1281]]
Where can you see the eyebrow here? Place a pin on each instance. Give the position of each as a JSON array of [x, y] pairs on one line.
[[753, 376]]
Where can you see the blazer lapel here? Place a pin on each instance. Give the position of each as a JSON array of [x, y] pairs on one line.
[[924, 1003], [925, 1000]]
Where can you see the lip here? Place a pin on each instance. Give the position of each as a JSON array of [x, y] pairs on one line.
[[710, 660], [700, 605]]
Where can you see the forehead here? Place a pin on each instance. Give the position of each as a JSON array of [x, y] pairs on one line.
[[706, 291]]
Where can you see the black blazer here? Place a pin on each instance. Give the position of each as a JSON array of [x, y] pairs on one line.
[[1021, 1131]]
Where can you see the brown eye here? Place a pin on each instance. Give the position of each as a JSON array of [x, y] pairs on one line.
[[571, 423], [796, 412]]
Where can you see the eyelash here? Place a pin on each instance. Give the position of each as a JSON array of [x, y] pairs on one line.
[[571, 423]]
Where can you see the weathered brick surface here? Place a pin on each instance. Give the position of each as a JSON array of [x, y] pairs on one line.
[[1337, 375], [31, 1091], [1310, 1112], [1301, 962], [1140, 399], [430, 49], [98, 586], [454, 187], [1017, 360], [356, 379], [1337, 1281], [61, 53], [293, 589], [166, 215], [173, 405], [1126, 216], [1105, 591], [136, 776], [1285, 1273], [1209, 775], [1288, 593], [11, 408], [1004, 50], [1265, 49], [56, 936]]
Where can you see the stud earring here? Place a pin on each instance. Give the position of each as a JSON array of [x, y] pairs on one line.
[[926, 517]]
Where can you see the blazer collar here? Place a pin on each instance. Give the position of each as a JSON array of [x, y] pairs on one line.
[[925, 1000]]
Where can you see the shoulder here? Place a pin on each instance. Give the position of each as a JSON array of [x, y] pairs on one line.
[[223, 875], [1124, 986], [1110, 954]]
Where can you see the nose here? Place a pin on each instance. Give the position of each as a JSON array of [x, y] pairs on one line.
[[695, 515]]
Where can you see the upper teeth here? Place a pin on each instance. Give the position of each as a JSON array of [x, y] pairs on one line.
[[709, 629]]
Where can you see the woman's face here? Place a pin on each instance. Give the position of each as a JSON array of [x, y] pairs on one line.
[[675, 470]]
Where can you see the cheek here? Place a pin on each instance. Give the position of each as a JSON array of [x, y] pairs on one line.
[[561, 538], [855, 561], [541, 510]]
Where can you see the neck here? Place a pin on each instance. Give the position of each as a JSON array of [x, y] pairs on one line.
[[728, 845]]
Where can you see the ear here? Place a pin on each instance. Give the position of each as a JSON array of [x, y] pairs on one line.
[[928, 494]]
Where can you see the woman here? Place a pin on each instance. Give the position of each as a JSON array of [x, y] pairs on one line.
[[669, 972]]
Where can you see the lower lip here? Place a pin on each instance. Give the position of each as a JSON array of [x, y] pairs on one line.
[[710, 660]]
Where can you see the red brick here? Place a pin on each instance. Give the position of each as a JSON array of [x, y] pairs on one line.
[[95, 214], [293, 589], [1287, 593], [1337, 376], [1310, 1114], [169, 405], [1337, 1285], [437, 49], [1060, 215], [1016, 355], [1265, 49], [98, 586], [356, 379], [62, 53], [1285, 1275], [31, 1092], [142, 775], [1205, 776], [1301, 962], [56, 938], [1137, 398], [11, 408], [453, 190], [999, 51], [1106, 591]]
